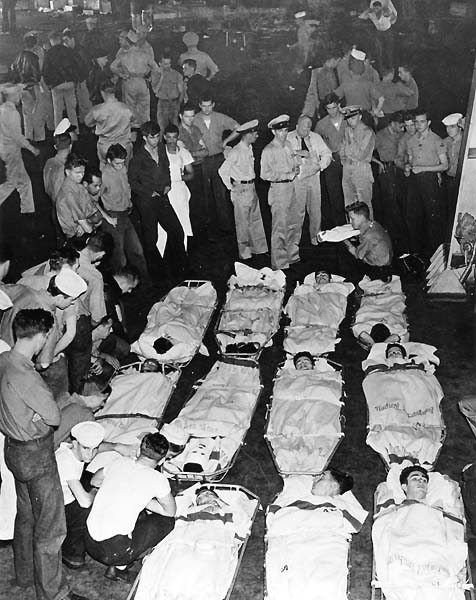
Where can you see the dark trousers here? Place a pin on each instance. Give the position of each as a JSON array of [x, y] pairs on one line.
[[390, 208], [384, 49], [425, 213], [127, 247], [333, 213], [9, 19], [74, 546], [218, 207], [40, 526], [56, 377], [174, 262], [79, 354], [198, 217], [451, 187], [122, 549]]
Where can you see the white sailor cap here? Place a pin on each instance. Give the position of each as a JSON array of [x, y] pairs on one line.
[[70, 283], [358, 54], [175, 434], [89, 433], [132, 37], [281, 122], [248, 127], [64, 126], [300, 15], [351, 111], [453, 119]]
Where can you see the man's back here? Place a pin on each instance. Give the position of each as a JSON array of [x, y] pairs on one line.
[[127, 488], [60, 66]]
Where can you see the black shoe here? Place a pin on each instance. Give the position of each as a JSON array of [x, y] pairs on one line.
[[74, 596], [73, 564], [120, 575]]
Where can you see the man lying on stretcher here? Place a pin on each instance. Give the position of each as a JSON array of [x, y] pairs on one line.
[[418, 537]]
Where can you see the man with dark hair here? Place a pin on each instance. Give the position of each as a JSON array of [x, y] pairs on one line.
[[303, 361], [149, 176], [61, 72], [133, 509], [405, 75], [375, 247], [191, 137], [167, 84], [82, 92], [38, 277], [77, 214], [414, 481], [28, 414], [332, 483], [25, 69], [331, 128], [196, 86], [426, 206], [396, 93], [112, 120], [212, 126]]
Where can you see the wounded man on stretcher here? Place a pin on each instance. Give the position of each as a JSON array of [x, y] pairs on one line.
[[309, 526], [198, 559], [418, 536]]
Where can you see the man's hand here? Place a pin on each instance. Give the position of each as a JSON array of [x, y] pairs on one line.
[[34, 151], [96, 368], [111, 220], [417, 170], [111, 360], [166, 190]]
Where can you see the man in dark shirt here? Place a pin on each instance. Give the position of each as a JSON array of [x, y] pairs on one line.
[[60, 72], [196, 86], [28, 414], [374, 251], [149, 177]]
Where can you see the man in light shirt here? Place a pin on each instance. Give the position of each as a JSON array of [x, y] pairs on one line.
[[133, 509], [313, 156], [238, 174], [383, 15]]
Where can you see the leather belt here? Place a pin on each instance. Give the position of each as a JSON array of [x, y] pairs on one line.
[[284, 181], [242, 182]]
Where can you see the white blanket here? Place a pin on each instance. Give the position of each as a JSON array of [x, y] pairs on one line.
[[304, 423], [325, 305], [316, 339], [8, 497], [307, 542], [377, 286], [419, 547], [140, 394], [404, 413], [338, 234], [221, 408], [388, 309], [198, 559], [182, 318]]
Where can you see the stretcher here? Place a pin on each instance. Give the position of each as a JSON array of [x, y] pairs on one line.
[[419, 548], [304, 422], [217, 417], [200, 558], [316, 312], [182, 317], [251, 313], [381, 303], [403, 402], [137, 402], [307, 542]]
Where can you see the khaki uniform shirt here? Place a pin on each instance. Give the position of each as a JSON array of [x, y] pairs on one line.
[[112, 120], [277, 162], [358, 144], [424, 150], [239, 165]]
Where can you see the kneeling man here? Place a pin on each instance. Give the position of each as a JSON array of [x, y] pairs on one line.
[[133, 509]]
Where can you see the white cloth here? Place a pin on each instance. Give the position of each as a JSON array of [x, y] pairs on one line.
[[182, 317], [127, 488], [418, 353], [304, 422], [338, 234], [69, 469], [387, 308], [307, 542], [419, 547], [198, 559], [179, 194], [8, 497]]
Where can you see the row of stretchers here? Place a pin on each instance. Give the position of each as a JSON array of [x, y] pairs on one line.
[[307, 539]]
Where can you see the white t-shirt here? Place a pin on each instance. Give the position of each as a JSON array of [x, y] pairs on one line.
[[127, 488], [69, 469], [178, 162]]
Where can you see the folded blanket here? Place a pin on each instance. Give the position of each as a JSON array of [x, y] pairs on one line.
[[316, 339]]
